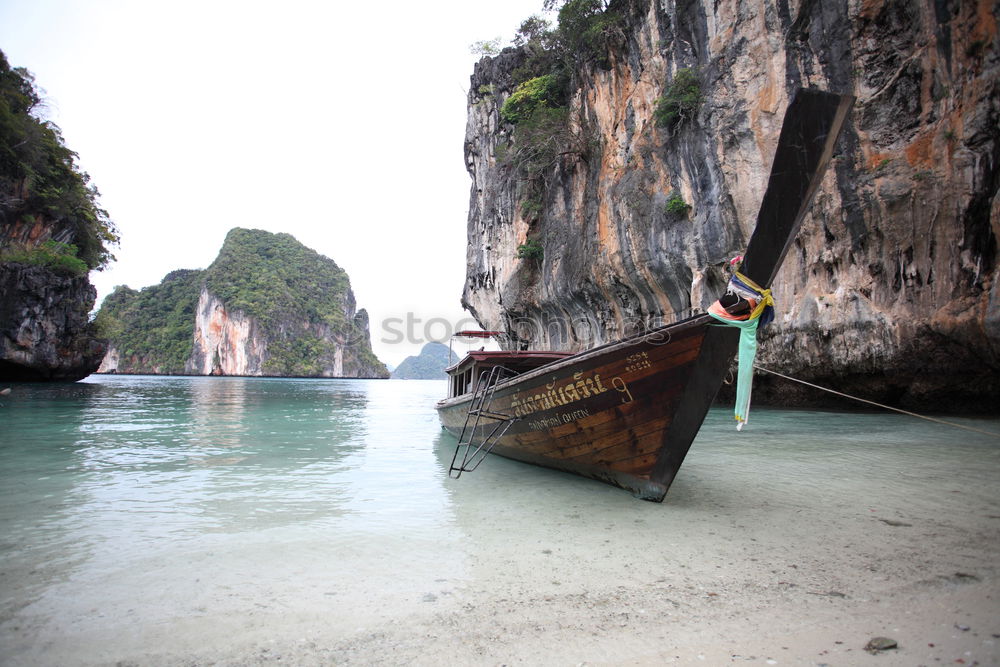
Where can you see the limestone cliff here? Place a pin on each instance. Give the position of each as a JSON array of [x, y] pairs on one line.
[[891, 289], [52, 233], [229, 342], [224, 343], [45, 332], [268, 306]]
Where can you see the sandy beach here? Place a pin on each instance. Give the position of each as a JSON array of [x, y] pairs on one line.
[[735, 571], [784, 585]]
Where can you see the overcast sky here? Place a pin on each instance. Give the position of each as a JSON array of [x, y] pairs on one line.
[[341, 123]]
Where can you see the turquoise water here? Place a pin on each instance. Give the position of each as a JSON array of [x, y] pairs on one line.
[[140, 512]]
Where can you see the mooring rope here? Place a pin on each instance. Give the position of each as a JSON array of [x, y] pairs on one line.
[[887, 407]]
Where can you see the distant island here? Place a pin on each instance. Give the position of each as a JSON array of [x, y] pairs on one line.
[[267, 306], [428, 365]]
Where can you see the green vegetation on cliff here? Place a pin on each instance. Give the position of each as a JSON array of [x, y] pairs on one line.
[[272, 276], [540, 92], [530, 249], [300, 302], [434, 357], [53, 255], [40, 183], [154, 325], [681, 101], [276, 280], [545, 130], [585, 32]]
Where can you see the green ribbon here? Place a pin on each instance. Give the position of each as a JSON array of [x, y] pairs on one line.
[[747, 354]]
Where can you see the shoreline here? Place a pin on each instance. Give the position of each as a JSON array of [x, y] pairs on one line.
[[343, 541]]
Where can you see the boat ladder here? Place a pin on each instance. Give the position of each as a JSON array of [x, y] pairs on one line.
[[483, 426]]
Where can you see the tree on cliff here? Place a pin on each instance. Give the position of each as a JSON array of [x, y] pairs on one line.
[[545, 130], [40, 184], [585, 30]]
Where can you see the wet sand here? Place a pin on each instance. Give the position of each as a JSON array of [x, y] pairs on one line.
[[792, 554]]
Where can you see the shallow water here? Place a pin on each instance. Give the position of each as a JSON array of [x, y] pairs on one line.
[[143, 513]]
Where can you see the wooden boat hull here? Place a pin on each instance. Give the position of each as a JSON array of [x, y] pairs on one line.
[[609, 413]]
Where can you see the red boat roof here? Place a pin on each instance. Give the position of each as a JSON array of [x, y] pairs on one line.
[[500, 357]]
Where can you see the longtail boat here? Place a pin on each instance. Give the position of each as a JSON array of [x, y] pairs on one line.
[[627, 412]]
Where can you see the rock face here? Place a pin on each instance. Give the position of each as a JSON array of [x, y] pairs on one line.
[[891, 289], [428, 365], [229, 342], [268, 306], [53, 231], [225, 343], [45, 333]]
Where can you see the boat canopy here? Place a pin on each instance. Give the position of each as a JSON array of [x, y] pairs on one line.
[[464, 375]]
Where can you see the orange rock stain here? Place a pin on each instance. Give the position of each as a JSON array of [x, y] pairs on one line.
[[920, 152]]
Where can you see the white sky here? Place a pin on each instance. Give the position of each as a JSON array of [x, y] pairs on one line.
[[341, 123]]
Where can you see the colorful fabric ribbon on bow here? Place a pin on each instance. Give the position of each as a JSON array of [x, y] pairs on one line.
[[759, 311]]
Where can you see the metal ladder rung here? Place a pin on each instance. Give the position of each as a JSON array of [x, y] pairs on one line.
[[479, 409]]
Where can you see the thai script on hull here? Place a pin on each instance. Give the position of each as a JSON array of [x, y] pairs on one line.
[[560, 393]]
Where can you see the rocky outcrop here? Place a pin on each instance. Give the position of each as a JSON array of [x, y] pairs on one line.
[[109, 364], [288, 312], [228, 342], [224, 343], [52, 233], [45, 333], [891, 289]]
